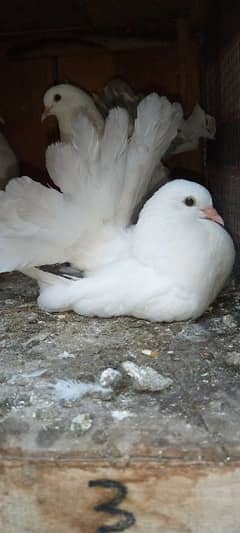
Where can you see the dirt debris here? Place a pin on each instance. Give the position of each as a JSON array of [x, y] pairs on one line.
[[197, 413]]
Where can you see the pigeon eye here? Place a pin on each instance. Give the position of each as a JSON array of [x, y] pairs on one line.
[[189, 201], [57, 97]]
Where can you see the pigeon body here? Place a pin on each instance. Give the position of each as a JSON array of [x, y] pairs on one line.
[[176, 260]]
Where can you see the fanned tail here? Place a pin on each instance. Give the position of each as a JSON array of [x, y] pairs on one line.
[[117, 93], [102, 181], [111, 175]]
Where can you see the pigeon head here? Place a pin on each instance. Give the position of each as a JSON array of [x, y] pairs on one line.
[[192, 200], [184, 200], [64, 99]]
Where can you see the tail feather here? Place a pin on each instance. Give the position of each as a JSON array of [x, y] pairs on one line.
[[56, 292], [155, 127], [85, 137], [73, 166], [91, 170], [47, 279], [113, 159], [117, 93]]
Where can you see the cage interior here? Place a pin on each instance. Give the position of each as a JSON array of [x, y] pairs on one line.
[[171, 454], [177, 48]]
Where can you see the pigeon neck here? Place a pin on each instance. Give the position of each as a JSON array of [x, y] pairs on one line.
[[66, 121], [65, 127], [95, 117]]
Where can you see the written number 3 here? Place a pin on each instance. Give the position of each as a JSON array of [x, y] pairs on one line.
[[126, 519]]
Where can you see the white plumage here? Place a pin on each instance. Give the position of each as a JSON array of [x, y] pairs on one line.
[[169, 266], [174, 263], [102, 180], [8, 161]]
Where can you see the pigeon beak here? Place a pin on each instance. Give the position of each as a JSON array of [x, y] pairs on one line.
[[47, 111], [212, 214]]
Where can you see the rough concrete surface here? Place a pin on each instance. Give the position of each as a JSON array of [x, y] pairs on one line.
[[55, 399]]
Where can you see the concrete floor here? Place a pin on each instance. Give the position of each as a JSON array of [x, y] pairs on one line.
[[45, 408]]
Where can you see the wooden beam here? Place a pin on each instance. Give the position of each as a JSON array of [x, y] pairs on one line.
[[72, 496]]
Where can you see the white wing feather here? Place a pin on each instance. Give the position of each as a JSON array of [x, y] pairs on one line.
[[35, 224]]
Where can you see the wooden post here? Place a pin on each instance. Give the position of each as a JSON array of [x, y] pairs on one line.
[[189, 85]]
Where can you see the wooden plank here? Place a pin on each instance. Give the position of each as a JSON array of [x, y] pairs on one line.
[[176, 451], [19, 16], [189, 90], [155, 68], [55, 497], [88, 68], [60, 46], [30, 16], [112, 13]]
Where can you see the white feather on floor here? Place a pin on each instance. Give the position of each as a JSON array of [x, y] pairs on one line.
[[73, 390]]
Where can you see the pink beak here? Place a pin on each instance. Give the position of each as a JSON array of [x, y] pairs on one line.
[[47, 111], [212, 214]]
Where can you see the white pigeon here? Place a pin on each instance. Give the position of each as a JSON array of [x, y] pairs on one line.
[[67, 102], [174, 263], [101, 179], [8, 161]]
